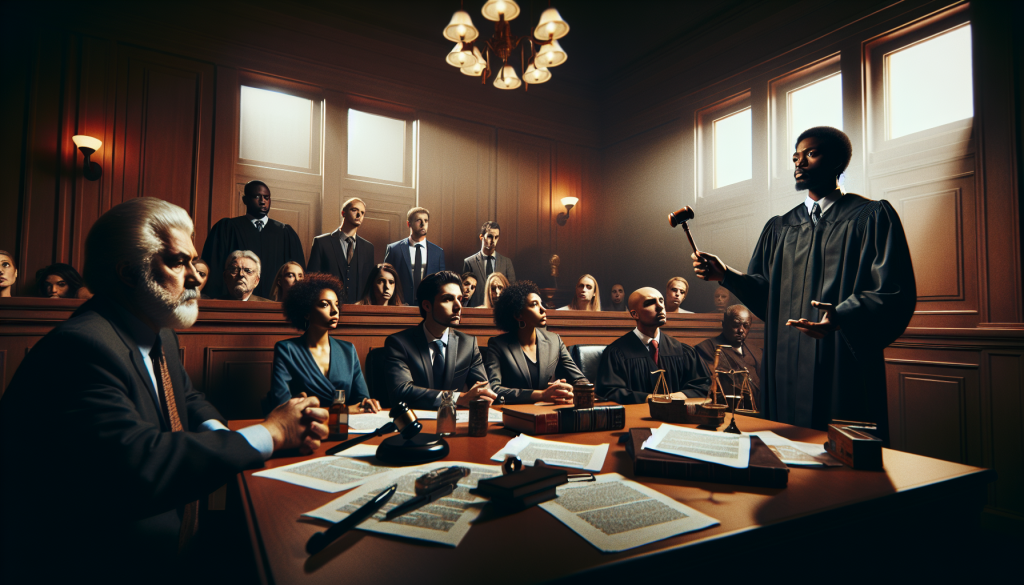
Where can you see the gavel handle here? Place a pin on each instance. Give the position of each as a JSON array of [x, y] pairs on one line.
[[686, 229], [388, 428]]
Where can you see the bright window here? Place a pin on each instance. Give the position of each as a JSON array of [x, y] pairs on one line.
[[817, 104], [930, 83], [275, 127], [376, 146], [733, 149]]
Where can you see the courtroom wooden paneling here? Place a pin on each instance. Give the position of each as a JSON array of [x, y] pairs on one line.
[[237, 378], [525, 210]]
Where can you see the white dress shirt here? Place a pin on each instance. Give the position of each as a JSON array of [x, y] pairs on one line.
[[433, 349], [647, 340], [825, 202], [261, 223], [412, 256]]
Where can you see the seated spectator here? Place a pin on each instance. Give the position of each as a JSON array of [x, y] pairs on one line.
[[382, 287], [735, 327], [316, 364], [625, 374], [469, 284], [496, 283], [59, 281], [287, 275], [203, 273], [528, 363], [241, 277], [722, 298], [587, 296], [675, 294], [618, 298], [8, 273]]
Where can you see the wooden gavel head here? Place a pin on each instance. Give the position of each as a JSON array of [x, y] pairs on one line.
[[679, 217], [405, 420]]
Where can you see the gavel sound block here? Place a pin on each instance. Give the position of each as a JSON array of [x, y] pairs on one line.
[[680, 218]]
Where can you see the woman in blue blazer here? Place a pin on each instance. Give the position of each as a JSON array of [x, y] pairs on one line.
[[315, 363]]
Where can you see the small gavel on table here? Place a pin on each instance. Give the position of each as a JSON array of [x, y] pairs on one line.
[[680, 218]]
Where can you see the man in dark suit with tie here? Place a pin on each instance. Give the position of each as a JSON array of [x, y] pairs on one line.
[[414, 258], [106, 445], [488, 261], [345, 254], [423, 361]]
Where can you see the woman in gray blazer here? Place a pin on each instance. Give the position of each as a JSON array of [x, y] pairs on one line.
[[528, 363]]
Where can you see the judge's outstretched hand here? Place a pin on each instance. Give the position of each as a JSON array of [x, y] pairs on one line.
[[298, 423], [821, 328], [708, 266]]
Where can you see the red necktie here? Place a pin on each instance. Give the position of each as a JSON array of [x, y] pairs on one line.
[[654, 350]]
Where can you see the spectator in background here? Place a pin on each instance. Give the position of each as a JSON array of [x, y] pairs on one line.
[[59, 281], [496, 283], [242, 276], [469, 284], [382, 287], [488, 261], [587, 296], [203, 275], [738, 355], [722, 298], [8, 273], [414, 258], [618, 298], [344, 253], [287, 275], [675, 294]]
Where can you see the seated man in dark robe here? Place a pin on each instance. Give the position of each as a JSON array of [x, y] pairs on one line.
[[737, 356], [833, 281], [274, 242], [628, 371]]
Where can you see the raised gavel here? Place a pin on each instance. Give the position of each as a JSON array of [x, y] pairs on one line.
[[680, 218]]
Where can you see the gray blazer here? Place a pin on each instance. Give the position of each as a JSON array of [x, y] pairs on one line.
[[478, 267], [507, 369], [409, 377]]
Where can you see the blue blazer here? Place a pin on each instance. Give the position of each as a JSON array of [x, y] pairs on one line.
[[397, 255], [295, 371]]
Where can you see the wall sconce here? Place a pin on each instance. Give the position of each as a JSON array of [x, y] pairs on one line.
[[88, 145], [569, 203]]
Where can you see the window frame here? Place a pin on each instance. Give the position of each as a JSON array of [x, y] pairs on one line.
[[781, 155], [287, 87], [395, 112], [705, 146]]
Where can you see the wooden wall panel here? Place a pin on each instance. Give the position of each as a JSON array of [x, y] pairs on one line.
[[1006, 376], [932, 421], [524, 202], [933, 226], [237, 378]]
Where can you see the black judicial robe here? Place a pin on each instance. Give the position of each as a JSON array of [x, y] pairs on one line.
[[731, 360], [276, 244], [625, 377], [857, 259]]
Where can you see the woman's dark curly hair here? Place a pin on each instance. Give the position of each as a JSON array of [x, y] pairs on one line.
[[66, 272], [512, 302], [304, 294]]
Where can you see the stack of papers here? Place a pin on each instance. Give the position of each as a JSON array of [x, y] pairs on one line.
[[556, 453], [795, 452], [711, 446]]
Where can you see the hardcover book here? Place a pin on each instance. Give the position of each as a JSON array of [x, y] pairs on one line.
[[537, 419]]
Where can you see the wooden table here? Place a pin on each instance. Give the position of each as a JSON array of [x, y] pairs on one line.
[[820, 509]]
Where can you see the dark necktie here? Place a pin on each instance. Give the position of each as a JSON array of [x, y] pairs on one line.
[[351, 241], [654, 350], [190, 517], [490, 266], [417, 269], [259, 225], [816, 213], [438, 363]]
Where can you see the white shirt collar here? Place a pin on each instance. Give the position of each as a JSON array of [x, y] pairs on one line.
[[825, 202], [645, 338], [264, 220], [430, 336]]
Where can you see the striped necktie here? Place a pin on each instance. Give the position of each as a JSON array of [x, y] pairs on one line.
[[816, 214]]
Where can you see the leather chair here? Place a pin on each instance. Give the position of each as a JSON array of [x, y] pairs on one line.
[[588, 358], [372, 375]]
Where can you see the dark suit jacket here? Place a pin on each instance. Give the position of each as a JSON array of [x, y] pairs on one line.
[[397, 255], [327, 256], [478, 266], [409, 377], [90, 458], [507, 368]]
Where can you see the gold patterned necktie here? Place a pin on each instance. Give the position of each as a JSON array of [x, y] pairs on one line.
[[351, 241], [190, 517]]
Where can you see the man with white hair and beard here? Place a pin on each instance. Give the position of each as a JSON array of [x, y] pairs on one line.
[[106, 445]]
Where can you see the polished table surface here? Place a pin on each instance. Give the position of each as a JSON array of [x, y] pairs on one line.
[[537, 547]]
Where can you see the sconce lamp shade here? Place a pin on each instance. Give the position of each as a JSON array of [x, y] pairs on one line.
[[494, 9], [461, 57], [461, 29], [83, 141], [570, 202], [477, 69], [551, 55], [551, 26], [536, 75], [507, 78]]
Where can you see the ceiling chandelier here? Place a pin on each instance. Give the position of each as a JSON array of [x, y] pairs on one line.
[[544, 50]]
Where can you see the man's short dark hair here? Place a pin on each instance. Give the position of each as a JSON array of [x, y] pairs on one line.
[[469, 275], [250, 188], [304, 294], [733, 310], [835, 143], [512, 302], [489, 225], [431, 286]]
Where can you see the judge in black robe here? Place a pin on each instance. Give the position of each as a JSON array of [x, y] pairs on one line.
[[624, 375], [737, 356], [834, 285], [275, 244]]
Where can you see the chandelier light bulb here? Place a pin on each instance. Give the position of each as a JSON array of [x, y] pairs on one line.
[[495, 9], [477, 69], [507, 78], [551, 55], [551, 26], [461, 29], [536, 75], [460, 57]]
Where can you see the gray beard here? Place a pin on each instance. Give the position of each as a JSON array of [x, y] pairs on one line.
[[163, 308]]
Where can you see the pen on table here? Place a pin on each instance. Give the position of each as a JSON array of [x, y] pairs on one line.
[[320, 540], [420, 501]]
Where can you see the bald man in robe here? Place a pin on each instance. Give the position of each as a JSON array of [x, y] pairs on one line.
[[738, 355], [628, 370]]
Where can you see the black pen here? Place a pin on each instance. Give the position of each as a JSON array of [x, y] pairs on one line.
[[420, 501], [320, 540]]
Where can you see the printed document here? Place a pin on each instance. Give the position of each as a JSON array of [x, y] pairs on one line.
[[461, 416], [615, 514], [365, 422], [329, 474], [795, 452], [556, 453], [712, 446]]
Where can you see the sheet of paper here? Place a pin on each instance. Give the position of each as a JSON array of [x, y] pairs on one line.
[[461, 416], [367, 422], [795, 452], [529, 449], [712, 446], [362, 451], [615, 514], [445, 521], [327, 474]]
